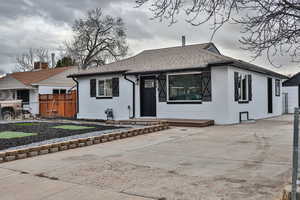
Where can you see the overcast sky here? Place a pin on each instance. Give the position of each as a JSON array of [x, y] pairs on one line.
[[44, 23]]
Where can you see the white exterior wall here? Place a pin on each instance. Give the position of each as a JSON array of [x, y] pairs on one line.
[[293, 97], [92, 108], [258, 107], [49, 89], [223, 109]]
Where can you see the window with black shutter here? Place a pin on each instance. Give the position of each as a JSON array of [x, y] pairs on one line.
[[206, 86], [93, 87], [162, 88], [250, 87], [277, 87], [236, 86], [115, 87]]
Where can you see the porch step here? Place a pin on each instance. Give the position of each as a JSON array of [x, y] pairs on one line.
[[171, 122]]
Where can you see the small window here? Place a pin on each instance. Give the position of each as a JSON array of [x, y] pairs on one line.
[[277, 87], [243, 87], [104, 88], [59, 91], [149, 83], [184, 87]]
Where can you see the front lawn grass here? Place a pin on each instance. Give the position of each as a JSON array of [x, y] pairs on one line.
[[27, 124], [14, 134], [73, 127]]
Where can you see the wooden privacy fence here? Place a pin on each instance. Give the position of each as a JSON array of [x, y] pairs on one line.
[[58, 105]]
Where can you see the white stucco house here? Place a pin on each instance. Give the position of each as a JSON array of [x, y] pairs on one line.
[[185, 82], [27, 86], [291, 88]]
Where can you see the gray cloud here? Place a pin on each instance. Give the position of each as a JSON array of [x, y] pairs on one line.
[[39, 23]]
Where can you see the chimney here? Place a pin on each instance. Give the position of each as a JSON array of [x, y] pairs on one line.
[[40, 65], [183, 40], [53, 59]]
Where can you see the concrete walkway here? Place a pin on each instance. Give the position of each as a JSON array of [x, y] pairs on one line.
[[247, 161]]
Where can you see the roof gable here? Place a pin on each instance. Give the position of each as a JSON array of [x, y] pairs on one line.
[[8, 82], [32, 77]]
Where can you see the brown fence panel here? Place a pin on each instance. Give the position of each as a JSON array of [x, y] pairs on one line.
[[58, 105]]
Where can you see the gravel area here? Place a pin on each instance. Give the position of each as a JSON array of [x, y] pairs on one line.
[[55, 140], [46, 133]]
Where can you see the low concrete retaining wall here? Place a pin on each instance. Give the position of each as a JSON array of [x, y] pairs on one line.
[[82, 142]]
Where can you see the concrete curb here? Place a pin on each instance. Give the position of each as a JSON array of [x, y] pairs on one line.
[[81, 142]]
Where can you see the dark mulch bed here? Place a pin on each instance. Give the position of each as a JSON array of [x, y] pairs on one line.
[[44, 131]]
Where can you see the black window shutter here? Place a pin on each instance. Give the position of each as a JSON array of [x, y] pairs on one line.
[[93, 87], [250, 87], [162, 88], [115, 87], [236, 86], [206, 86]]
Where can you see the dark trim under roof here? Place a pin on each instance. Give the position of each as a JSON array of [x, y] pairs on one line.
[[169, 70], [96, 73], [293, 81]]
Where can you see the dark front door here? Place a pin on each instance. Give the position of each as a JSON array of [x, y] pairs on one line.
[[270, 96], [148, 96]]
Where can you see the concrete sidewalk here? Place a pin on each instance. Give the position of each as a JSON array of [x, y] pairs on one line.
[[247, 161]]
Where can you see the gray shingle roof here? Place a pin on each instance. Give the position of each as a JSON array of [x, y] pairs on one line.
[[173, 58]]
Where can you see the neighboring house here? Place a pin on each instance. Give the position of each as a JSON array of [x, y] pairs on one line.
[[27, 86], [185, 82], [291, 88]]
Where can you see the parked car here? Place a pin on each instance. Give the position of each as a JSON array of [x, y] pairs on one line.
[[10, 109]]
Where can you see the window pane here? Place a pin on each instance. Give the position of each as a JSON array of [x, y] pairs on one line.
[[185, 87], [100, 88], [63, 91], [109, 88]]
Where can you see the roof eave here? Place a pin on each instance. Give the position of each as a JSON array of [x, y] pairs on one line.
[[243, 66], [96, 73], [168, 70]]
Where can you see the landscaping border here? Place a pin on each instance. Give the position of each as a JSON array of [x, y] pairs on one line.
[[81, 142]]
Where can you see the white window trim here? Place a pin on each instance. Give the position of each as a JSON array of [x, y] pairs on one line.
[[241, 75], [174, 74], [97, 87]]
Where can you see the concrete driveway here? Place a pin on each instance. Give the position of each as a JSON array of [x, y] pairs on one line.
[[247, 161]]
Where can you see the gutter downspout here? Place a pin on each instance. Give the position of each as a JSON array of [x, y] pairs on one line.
[[133, 96], [77, 95]]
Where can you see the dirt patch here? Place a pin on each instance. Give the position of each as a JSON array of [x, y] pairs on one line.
[[44, 131]]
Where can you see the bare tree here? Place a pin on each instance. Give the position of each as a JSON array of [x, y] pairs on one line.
[[271, 26], [98, 38], [25, 61]]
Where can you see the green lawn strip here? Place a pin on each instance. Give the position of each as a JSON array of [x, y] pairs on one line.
[[73, 127], [27, 124], [14, 134]]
